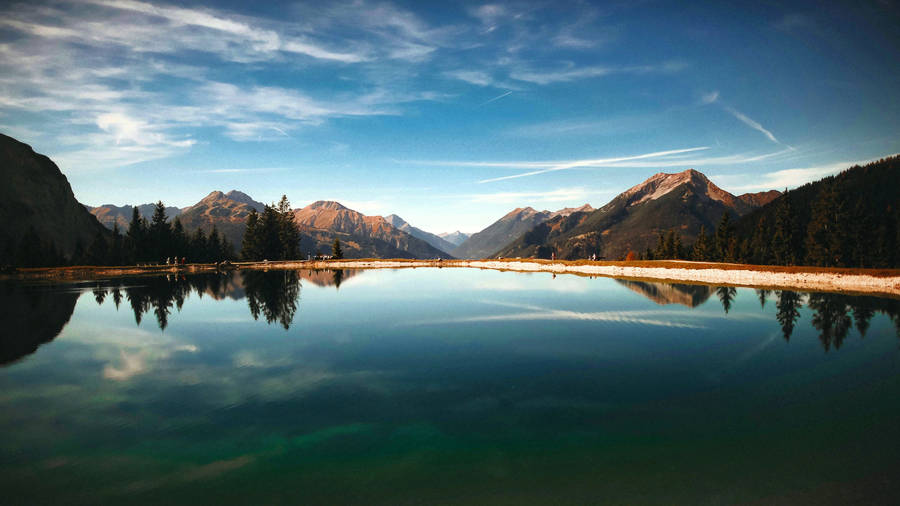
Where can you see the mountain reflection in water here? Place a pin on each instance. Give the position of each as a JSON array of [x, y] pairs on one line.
[[35, 314]]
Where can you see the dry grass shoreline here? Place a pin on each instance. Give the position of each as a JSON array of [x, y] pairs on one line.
[[844, 280]]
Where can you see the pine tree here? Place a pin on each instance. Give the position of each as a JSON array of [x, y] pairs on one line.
[[701, 251], [757, 250], [116, 248], [135, 243], [98, 252], [336, 251], [179, 243], [725, 245], [288, 235], [160, 232], [198, 247], [783, 241], [250, 243], [214, 248], [824, 233], [270, 234]]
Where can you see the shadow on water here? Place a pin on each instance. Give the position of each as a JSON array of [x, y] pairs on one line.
[[32, 315]]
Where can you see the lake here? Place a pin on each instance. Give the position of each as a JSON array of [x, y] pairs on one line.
[[444, 386]]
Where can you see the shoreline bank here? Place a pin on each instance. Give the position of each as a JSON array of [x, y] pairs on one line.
[[859, 281]]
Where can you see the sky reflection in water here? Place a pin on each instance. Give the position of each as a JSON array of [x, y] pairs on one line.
[[448, 386]]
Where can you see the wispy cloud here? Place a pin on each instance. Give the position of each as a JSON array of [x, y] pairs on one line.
[[599, 162], [790, 178], [498, 97], [576, 195], [476, 77], [573, 72], [713, 97], [535, 313], [752, 124]]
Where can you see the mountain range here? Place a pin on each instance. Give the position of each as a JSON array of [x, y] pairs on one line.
[[455, 238], [37, 194], [632, 221], [434, 240], [109, 214], [361, 236], [507, 229]]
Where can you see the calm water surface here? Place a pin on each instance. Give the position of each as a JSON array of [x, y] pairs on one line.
[[436, 386]]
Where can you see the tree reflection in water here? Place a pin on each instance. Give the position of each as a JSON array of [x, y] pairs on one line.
[[31, 316], [273, 294], [788, 311], [726, 296]]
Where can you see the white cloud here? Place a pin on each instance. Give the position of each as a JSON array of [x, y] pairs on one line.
[[475, 77], [573, 73], [792, 178], [709, 98], [752, 124], [594, 163]]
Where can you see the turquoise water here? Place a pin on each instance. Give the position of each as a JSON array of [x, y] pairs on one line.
[[444, 386]]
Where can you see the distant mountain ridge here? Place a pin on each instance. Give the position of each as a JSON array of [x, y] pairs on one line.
[[683, 201], [109, 214], [455, 238], [507, 229], [432, 239], [361, 236], [226, 211]]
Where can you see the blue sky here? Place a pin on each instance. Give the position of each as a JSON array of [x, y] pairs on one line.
[[448, 114]]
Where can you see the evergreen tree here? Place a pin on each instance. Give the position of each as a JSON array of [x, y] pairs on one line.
[[783, 241], [702, 248], [214, 248], [179, 244], [336, 251], [98, 252], [160, 232], [135, 238], [117, 247], [288, 235], [659, 252], [270, 234], [757, 250], [250, 244], [726, 244], [198, 247], [824, 236]]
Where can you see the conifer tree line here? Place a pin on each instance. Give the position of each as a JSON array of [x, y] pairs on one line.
[[143, 242], [272, 235], [848, 220], [158, 240]]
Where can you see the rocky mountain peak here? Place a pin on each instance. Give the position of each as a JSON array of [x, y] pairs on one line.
[[395, 220], [662, 183], [328, 205]]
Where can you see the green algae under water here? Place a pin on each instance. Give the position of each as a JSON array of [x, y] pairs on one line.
[[444, 386]]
